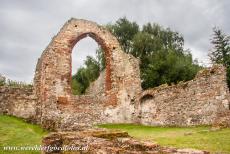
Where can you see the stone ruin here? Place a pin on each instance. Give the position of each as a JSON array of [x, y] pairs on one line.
[[116, 97], [102, 141], [53, 76]]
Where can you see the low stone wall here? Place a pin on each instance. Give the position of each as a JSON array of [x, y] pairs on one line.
[[80, 112], [19, 102], [196, 102]]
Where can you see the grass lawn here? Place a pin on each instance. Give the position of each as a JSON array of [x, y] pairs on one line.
[[16, 132], [194, 137]]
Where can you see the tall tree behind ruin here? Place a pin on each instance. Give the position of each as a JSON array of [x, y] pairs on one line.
[[220, 53], [161, 52]]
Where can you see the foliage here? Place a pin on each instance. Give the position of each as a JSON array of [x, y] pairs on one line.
[[124, 30], [200, 137], [161, 52], [12, 83], [220, 53], [167, 67], [17, 84], [16, 132]]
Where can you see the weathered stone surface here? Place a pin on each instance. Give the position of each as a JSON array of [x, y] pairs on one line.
[[102, 141], [19, 102], [53, 73], [97, 88], [195, 102], [222, 120]]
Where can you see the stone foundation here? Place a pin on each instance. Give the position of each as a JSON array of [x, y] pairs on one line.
[[102, 141]]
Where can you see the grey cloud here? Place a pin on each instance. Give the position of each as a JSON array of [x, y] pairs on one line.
[[27, 26]]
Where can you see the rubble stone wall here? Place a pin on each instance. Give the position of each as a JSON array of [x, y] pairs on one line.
[[194, 102], [53, 76], [19, 102]]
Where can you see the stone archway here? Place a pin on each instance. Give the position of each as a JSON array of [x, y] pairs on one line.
[[53, 72], [53, 69]]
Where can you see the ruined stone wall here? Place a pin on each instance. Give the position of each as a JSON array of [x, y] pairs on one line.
[[53, 74], [19, 102], [199, 101], [194, 102]]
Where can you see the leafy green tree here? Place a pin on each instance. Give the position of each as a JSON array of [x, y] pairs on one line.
[[167, 38], [124, 30], [220, 53], [168, 67], [161, 53]]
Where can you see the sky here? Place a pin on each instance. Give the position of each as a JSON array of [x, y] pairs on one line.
[[27, 26]]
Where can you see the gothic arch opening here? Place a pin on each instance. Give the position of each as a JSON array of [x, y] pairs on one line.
[[88, 68], [54, 68], [107, 53]]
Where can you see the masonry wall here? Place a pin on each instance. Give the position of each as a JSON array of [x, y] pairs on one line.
[[52, 81], [199, 101], [19, 102], [194, 102]]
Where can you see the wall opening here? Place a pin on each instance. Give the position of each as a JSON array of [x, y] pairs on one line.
[[146, 97], [148, 109], [87, 64]]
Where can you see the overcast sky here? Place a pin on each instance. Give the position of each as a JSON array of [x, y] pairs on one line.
[[27, 26]]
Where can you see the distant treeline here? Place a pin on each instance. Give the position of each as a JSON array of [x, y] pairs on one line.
[[12, 83]]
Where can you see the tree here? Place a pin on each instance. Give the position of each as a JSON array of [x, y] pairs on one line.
[[166, 66], [161, 52], [221, 50], [220, 53], [124, 30]]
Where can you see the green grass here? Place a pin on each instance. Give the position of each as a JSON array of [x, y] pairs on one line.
[[16, 132], [190, 137]]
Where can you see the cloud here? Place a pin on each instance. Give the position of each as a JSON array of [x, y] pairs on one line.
[[27, 26]]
